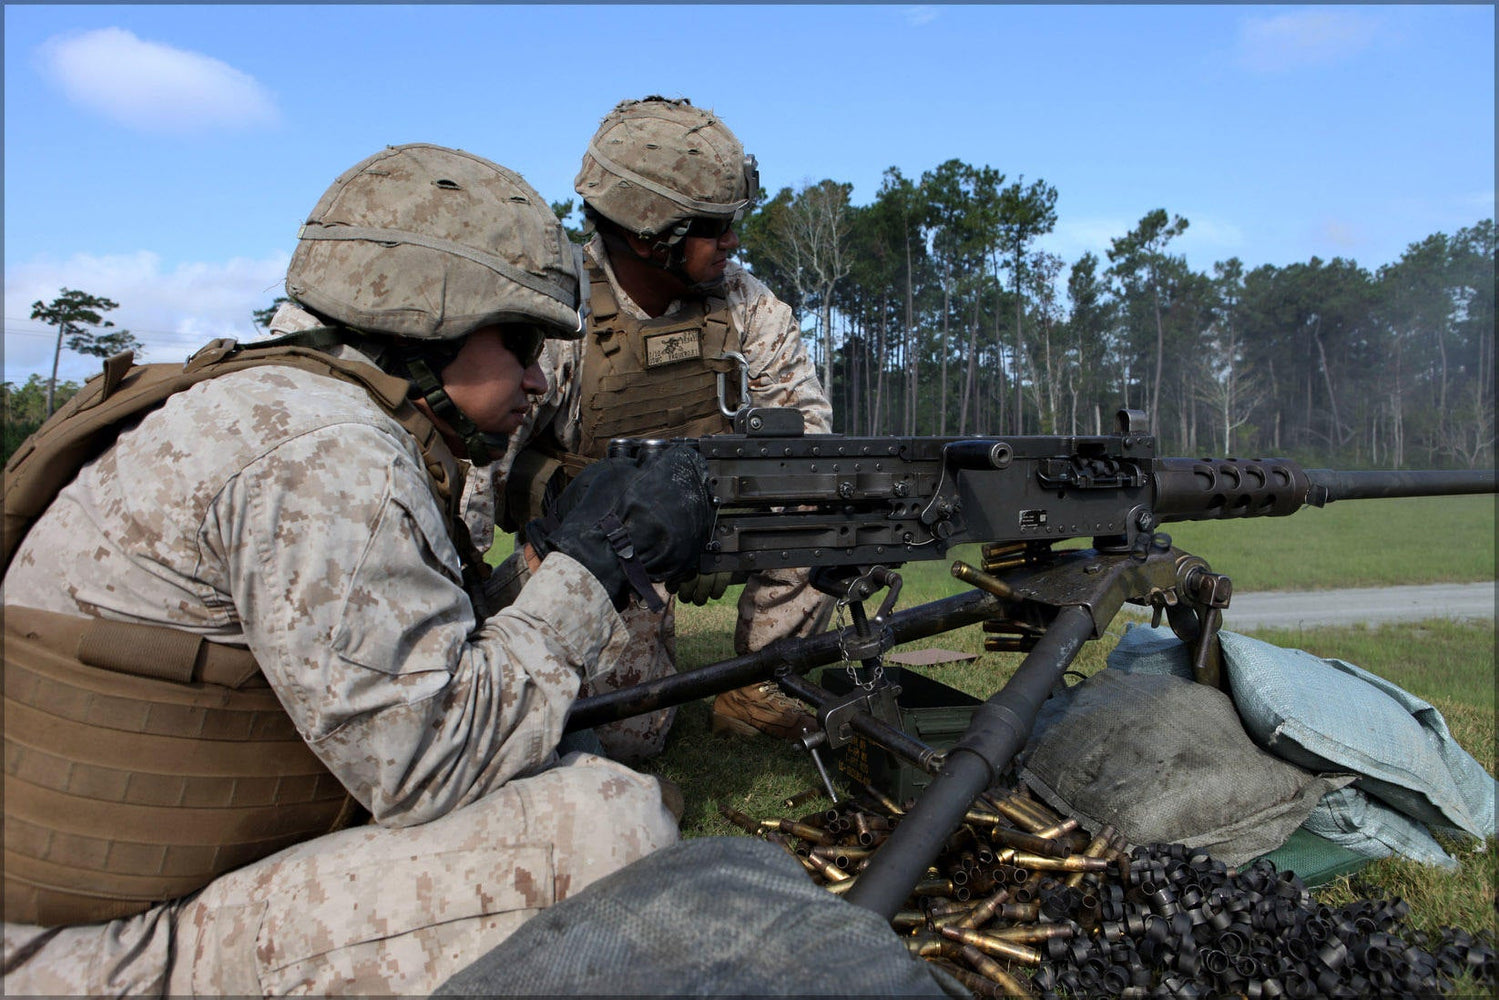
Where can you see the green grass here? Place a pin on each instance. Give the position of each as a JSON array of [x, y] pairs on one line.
[[1364, 543]]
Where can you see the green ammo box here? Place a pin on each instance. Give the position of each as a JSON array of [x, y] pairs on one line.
[[929, 710]]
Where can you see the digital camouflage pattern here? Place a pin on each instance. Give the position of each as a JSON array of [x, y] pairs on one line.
[[773, 604], [368, 910], [308, 533], [432, 243], [656, 162]]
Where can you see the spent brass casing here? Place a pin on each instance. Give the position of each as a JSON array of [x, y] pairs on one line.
[[981, 988], [975, 577], [1018, 912], [828, 870], [990, 945], [1021, 841], [1031, 933], [1071, 863], [985, 910], [1097, 847], [1036, 809], [739, 819], [925, 945], [905, 920], [1021, 817], [954, 918], [994, 972], [802, 797], [933, 887], [802, 830], [1057, 830], [884, 801], [839, 888]]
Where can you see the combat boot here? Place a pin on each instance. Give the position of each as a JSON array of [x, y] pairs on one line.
[[761, 708]]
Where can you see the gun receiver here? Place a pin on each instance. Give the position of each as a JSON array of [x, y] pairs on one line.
[[788, 499]]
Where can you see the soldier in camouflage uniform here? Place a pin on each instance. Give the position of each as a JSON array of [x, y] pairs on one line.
[[294, 521], [663, 184]]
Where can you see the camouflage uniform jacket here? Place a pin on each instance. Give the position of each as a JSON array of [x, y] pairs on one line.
[[285, 511]]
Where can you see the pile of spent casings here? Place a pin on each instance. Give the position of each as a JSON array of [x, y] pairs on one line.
[[1019, 888]]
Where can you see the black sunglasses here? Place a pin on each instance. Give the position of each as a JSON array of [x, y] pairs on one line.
[[524, 342], [710, 229]]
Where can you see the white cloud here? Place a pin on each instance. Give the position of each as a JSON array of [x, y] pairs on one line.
[[1303, 38], [154, 87], [917, 16], [170, 312]]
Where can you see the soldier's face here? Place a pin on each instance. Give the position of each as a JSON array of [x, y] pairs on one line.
[[704, 258], [489, 383]]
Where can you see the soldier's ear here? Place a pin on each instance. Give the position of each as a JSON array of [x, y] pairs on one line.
[[642, 248]]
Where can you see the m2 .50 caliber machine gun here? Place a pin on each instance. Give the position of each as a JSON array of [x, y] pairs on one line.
[[853, 508]]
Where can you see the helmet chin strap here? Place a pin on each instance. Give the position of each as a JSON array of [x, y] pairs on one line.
[[482, 447]]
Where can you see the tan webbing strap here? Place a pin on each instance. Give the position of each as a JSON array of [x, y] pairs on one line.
[[155, 651]]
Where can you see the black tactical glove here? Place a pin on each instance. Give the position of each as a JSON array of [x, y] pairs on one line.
[[630, 525]]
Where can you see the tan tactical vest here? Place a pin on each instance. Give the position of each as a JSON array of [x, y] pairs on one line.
[[655, 377], [141, 762]]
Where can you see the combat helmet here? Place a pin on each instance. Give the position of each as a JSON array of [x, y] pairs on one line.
[[430, 243], [656, 164], [416, 247]]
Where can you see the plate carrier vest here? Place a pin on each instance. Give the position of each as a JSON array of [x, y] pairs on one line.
[[143, 761], [640, 378]]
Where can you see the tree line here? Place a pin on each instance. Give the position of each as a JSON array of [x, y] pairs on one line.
[[934, 313]]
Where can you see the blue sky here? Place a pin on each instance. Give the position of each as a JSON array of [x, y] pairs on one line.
[[164, 155]]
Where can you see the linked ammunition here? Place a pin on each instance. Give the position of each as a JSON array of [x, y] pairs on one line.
[[975, 577]]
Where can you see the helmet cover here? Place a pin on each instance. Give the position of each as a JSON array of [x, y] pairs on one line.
[[430, 243], [657, 162]]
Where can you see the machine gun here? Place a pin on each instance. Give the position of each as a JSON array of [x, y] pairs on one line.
[[853, 508]]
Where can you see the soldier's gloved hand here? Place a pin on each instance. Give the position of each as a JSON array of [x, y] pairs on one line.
[[630, 525], [702, 588]]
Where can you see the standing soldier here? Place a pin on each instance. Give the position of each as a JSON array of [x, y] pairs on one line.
[[663, 184], [255, 620]]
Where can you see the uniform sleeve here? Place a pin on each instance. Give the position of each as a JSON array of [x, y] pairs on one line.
[[349, 591], [781, 373]]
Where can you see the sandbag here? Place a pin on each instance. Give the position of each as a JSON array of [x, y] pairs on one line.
[[715, 916], [1165, 760]]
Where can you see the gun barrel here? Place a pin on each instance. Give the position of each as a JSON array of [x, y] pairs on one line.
[[1207, 489], [1328, 485]]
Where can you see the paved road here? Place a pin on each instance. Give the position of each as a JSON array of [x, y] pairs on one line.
[[1290, 609]]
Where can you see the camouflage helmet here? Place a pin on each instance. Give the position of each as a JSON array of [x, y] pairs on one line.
[[656, 163], [430, 243]]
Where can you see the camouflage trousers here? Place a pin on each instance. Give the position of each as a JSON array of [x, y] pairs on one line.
[[368, 910], [774, 604]]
